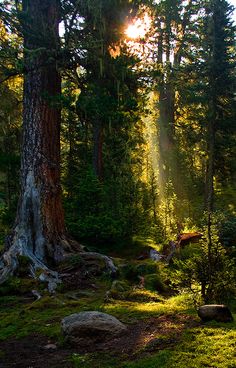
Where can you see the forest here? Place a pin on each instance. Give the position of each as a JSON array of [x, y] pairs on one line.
[[117, 184]]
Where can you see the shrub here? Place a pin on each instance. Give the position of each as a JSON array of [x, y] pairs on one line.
[[207, 272], [133, 271], [154, 282]]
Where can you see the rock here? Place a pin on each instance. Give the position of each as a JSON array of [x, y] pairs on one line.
[[155, 255], [50, 347], [216, 312], [36, 294], [169, 250], [91, 326]]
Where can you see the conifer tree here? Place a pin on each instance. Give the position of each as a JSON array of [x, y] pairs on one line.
[[39, 230], [218, 67]]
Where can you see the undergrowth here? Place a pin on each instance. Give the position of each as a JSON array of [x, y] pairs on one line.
[[212, 345]]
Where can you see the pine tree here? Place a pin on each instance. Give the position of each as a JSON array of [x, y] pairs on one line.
[[218, 66], [39, 231]]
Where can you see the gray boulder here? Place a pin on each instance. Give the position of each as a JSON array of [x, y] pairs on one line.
[[91, 326], [216, 312]]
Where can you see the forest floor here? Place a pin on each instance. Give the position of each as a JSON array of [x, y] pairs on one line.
[[163, 331], [37, 350]]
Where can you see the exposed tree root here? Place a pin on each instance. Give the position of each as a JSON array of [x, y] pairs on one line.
[[90, 256], [9, 263]]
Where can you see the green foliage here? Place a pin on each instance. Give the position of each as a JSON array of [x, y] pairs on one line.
[[130, 311], [10, 287], [146, 268], [121, 290], [133, 271], [227, 230], [19, 319], [105, 212], [20, 285], [143, 296], [189, 251], [154, 282], [206, 270]]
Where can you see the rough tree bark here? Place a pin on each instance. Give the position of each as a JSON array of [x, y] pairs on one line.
[[39, 231]]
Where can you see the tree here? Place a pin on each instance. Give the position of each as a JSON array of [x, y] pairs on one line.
[[173, 25], [219, 64], [106, 201], [39, 230]]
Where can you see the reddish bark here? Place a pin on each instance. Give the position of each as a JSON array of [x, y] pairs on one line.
[[186, 238], [39, 230]]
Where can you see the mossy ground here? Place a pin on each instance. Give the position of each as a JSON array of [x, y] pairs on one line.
[[163, 331]]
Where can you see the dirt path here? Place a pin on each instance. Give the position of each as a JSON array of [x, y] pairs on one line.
[[142, 338]]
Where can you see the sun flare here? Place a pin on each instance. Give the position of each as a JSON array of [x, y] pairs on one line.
[[139, 28]]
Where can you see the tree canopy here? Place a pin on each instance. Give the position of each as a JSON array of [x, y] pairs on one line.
[[132, 132]]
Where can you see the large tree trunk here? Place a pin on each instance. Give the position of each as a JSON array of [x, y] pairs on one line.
[[212, 120], [39, 230], [166, 109]]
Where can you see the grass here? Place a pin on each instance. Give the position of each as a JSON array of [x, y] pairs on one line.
[[208, 346], [211, 345], [18, 319], [130, 311]]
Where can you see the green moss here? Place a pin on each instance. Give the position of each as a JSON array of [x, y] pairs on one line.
[[205, 346], [200, 347], [211, 345], [75, 260], [18, 286], [149, 267], [20, 319], [143, 295], [154, 282], [38, 272], [120, 286], [23, 267], [118, 290], [130, 311], [133, 270], [95, 361]]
